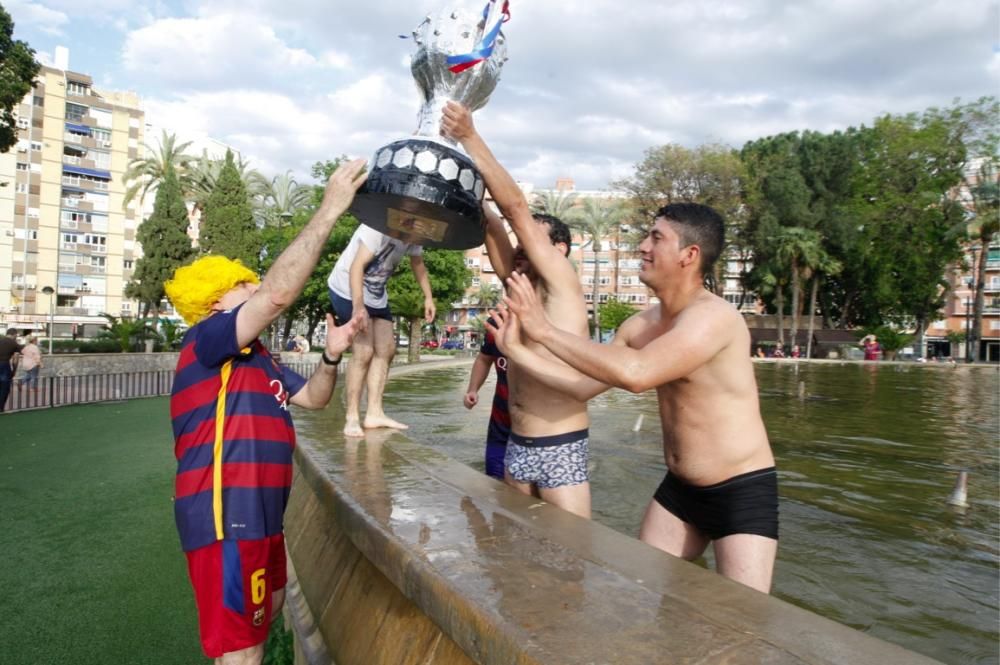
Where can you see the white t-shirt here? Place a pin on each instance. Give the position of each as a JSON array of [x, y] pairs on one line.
[[388, 253]]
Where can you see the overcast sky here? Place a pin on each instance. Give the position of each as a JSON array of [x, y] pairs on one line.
[[588, 87]]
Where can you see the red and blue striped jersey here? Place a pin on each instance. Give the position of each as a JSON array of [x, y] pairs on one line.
[[499, 428], [233, 436]]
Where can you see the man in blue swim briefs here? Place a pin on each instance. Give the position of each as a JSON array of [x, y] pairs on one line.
[[547, 452], [721, 485]]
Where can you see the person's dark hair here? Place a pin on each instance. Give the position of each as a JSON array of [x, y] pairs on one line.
[[697, 224], [558, 230], [11, 332]]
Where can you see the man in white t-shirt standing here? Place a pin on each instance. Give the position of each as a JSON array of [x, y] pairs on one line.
[[358, 282]]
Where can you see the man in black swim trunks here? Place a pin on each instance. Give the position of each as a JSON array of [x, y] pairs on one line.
[[721, 485]]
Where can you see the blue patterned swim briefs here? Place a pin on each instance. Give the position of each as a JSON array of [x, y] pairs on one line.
[[548, 462]]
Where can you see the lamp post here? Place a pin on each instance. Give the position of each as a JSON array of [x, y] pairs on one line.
[[49, 291]]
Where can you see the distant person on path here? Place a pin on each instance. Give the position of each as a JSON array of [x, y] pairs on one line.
[[549, 448], [796, 352], [498, 431], [721, 486], [234, 435], [31, 363], [358, 286], [872, 348], [301, 344], [9, 353]]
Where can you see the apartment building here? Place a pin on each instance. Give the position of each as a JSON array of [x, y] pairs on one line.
[[946, 336], [68, 244]]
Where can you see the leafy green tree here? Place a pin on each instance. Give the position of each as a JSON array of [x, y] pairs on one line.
[[165, 243], [449, 277], [146, 173], [908, 166], [614, 313], [18, 69], [227, 225]]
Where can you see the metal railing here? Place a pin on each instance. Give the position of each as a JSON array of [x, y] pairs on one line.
[[53, 391]]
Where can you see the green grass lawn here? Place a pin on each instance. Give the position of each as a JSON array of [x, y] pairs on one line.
[[92, 568]]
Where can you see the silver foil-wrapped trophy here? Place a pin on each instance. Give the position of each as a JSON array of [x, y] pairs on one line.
[[424, 189]]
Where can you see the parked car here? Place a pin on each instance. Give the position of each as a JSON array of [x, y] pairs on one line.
[[429, 344], [456, 344], [403, 341]]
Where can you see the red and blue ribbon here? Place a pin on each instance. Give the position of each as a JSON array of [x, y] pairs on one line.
[[483, 50]]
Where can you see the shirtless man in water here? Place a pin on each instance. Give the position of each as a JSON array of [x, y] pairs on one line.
[[548, 448], [721, 485]]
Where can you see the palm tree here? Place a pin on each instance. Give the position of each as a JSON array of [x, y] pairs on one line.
[[797, 247], [203, 173], [145, 173], [489, 295], [283, 197], [596, 219], [821, 265], [556, 203]]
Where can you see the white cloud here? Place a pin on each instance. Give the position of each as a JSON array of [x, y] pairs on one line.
[[219, 50], [35, 15], [588, 87]]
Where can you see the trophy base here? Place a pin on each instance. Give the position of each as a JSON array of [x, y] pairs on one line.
[[423, 192]]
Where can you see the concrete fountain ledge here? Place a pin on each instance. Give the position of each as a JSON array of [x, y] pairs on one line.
[[400, 555]]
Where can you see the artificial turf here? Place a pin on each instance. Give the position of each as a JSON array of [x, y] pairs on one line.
[[92, 569]]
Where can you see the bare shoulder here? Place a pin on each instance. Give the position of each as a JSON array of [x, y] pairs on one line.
[[712, 314]]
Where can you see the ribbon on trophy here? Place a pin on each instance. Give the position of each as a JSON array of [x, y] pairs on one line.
[[459, 63]]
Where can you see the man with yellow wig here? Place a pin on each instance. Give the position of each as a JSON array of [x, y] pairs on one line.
[[233, 434]]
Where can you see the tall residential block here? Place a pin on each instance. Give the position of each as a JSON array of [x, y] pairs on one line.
[[68, 244]]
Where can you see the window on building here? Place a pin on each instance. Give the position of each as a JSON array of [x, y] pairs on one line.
[[127, 264], [21, 166], [38, 101], [22, 123], [21, 188], [75, 112], [77, 88]]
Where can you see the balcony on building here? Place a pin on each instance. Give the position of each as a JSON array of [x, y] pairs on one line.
[[83, 179]]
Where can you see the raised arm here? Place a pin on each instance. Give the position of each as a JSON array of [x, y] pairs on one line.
[[498, 246], [319, 388], [548, 261], [693, 339], [420, 273], [287, 277]]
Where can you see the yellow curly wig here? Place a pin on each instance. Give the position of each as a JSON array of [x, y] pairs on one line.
[[195, 288]]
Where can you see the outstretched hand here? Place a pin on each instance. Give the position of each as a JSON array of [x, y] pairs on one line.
[[523, 302], [506, 330], [339, 338], [343, 184]]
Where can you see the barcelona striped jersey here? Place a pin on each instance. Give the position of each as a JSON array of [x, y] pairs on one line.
[[233, 436], [499, 427]]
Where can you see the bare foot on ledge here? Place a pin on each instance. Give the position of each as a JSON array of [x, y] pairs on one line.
[[353, 428], [372, 422]]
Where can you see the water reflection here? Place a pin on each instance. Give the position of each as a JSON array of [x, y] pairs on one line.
[[867, 456]]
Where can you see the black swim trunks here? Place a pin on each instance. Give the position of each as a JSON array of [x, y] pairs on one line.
[[747, 503]]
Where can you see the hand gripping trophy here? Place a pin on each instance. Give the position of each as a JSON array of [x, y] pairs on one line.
[[424, 189]]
